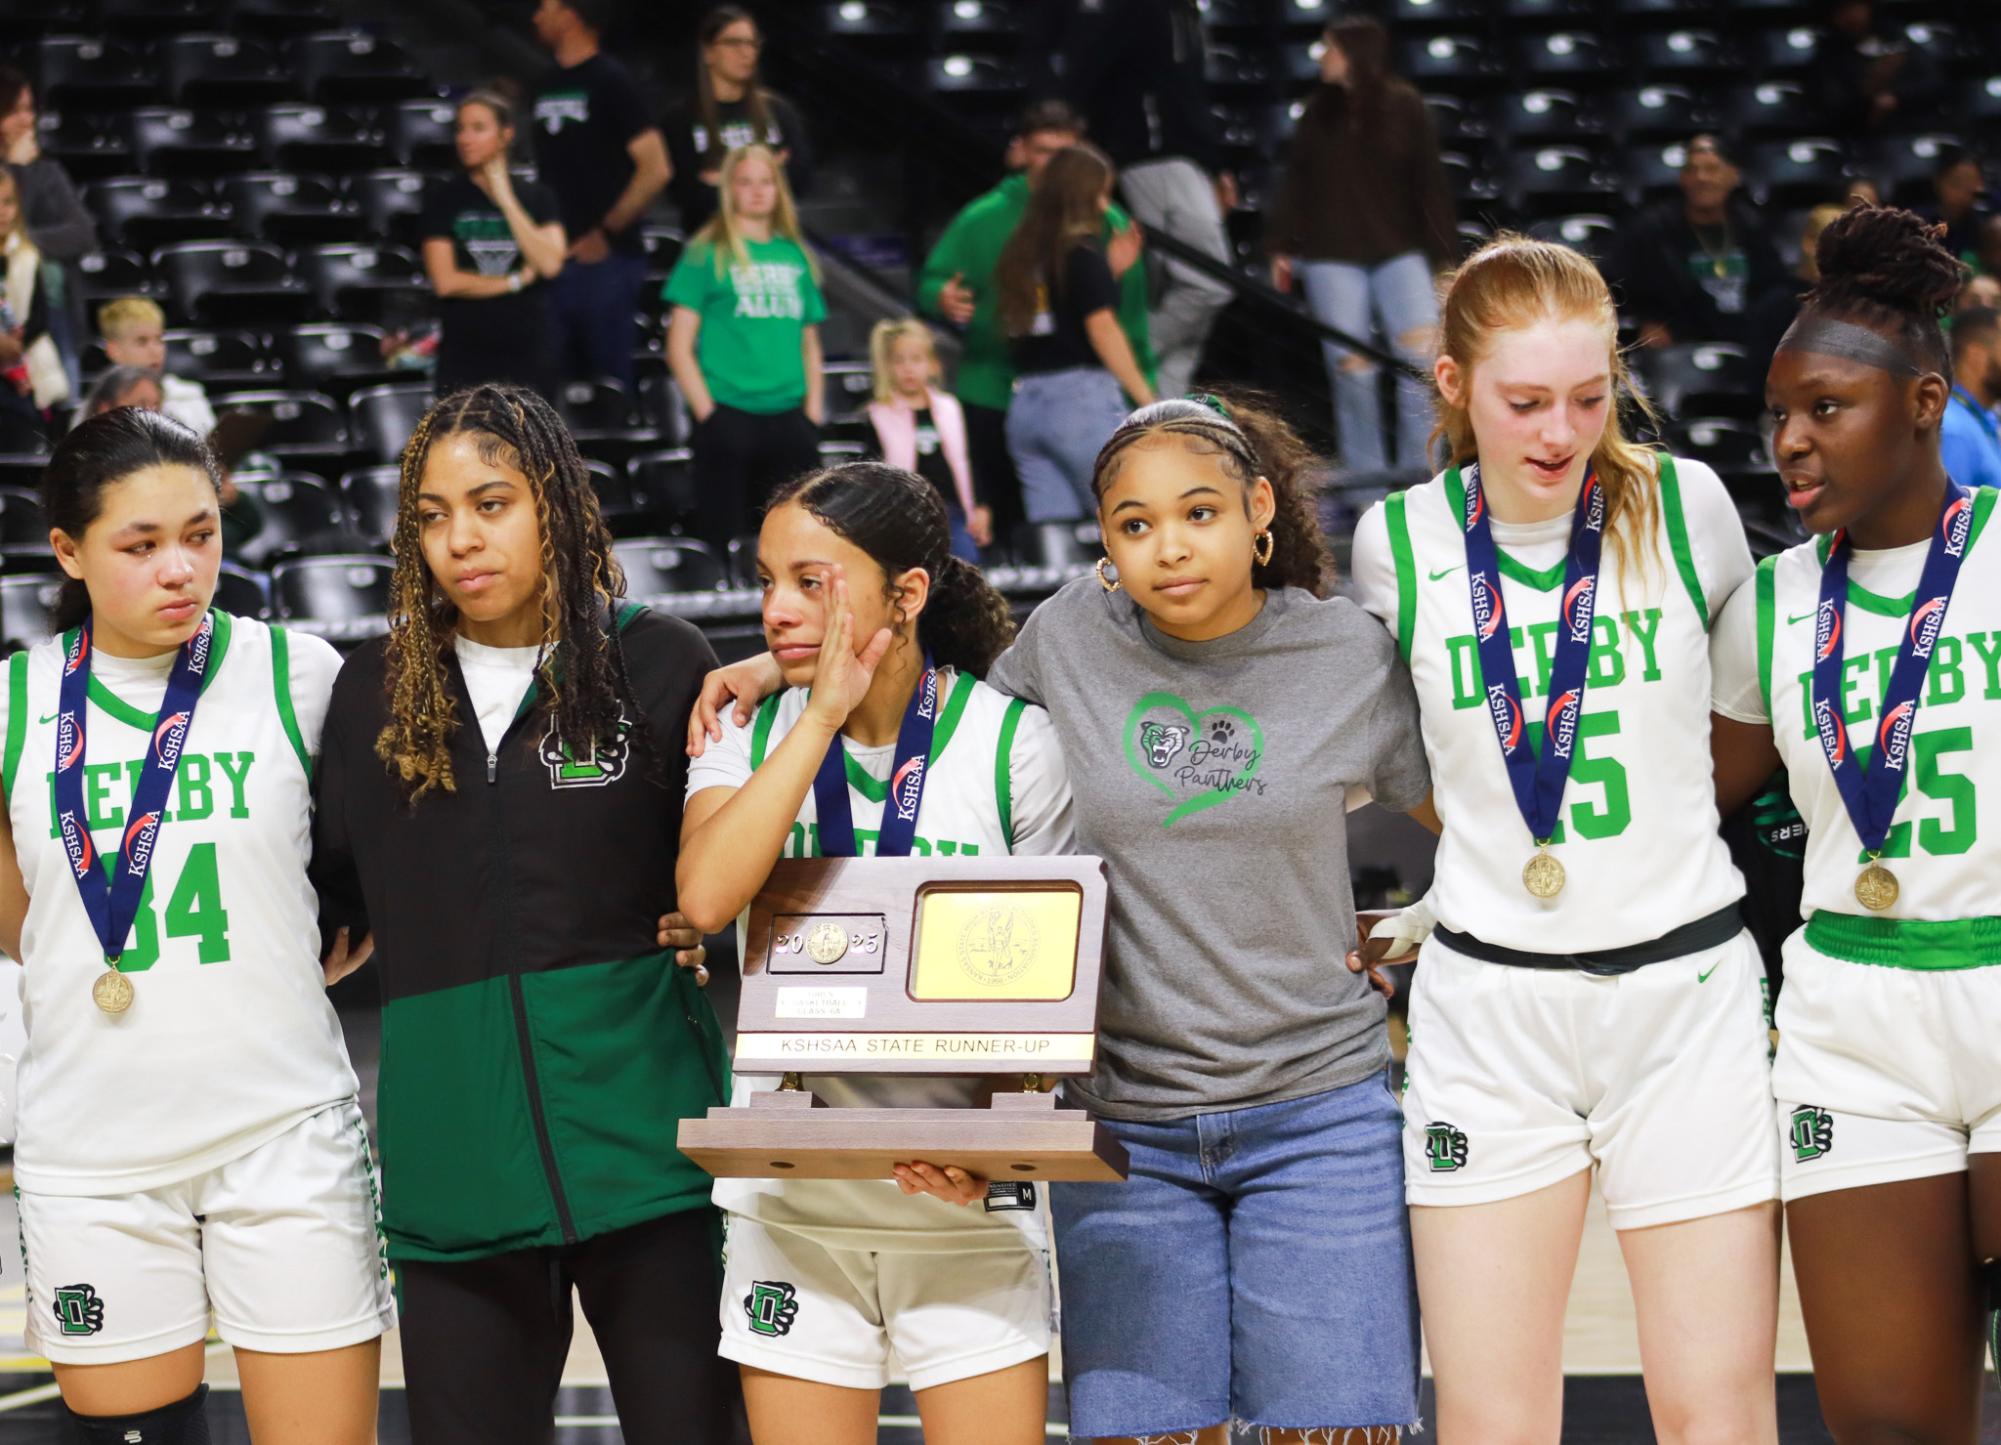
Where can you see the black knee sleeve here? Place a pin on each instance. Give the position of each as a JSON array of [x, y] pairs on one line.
[[185, 1422]]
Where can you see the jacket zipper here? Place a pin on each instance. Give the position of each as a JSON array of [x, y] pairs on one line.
[[530, 1077]]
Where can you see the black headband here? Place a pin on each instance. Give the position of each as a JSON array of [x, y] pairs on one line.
[[1826, 336]]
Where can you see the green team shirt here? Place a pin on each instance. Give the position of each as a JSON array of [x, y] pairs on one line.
[[754, 314]]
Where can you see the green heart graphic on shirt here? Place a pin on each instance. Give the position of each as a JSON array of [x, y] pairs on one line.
[[1157, 747]]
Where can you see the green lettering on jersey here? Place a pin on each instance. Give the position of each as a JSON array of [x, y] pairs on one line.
[[236, 767], [1939, 837], [1646, 626], [1608, 662], [1945, 678], [1855, 671], [97, 782], [1988, 645], [1607, 665], [1611, 812], [197, 799], [195, 910]]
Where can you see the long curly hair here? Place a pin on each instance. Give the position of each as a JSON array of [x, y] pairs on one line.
[[580, 666], [1889, 270], [899, 519], [1253, 440]]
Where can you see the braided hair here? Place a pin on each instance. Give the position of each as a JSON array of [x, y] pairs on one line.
[[1253, 441], [579, 665], [899, 519], [1889, 270]]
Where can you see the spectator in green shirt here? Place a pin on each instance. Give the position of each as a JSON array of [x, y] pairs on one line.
[[743, 342], [958, 284]]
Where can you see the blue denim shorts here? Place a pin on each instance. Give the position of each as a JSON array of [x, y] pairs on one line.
[[1255, 1267]]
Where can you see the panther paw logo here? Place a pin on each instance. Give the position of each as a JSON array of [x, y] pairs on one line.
[[772, 1306], [1812, 1133], [78, 1310], [1222, 732], [1445, 1147]]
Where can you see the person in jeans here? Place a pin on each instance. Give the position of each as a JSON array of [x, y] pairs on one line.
[[957, 285], [1363, 218], [596, 146], [728, 107], [743, 342], [1058, 306], [1136, 68]]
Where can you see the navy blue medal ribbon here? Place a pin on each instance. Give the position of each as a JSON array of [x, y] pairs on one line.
[[112, 904], [1538, 778], [906, 781], [1870, 789]]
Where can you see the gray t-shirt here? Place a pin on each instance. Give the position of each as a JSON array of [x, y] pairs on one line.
[[1213, 779]]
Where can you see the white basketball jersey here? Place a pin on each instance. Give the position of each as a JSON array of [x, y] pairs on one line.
[[1944, 844], [230, 1039], [1637, 832], [995, 785]]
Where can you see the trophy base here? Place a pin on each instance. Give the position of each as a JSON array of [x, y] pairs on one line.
[[793, 1135]]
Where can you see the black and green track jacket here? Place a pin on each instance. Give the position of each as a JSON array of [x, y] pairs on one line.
[[538, 1049]]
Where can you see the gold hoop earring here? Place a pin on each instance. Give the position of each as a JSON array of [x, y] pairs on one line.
[[1261, 549], [1111, 586]]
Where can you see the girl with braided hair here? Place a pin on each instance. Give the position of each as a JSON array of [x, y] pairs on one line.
[[1219, 710], [880, 636], [1867, 661], [495, 800]]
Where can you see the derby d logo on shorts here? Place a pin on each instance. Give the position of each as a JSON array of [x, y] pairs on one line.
[[1445, 1147], [595, 767], [78, 1310], [1812, 1133], [771, 1306]]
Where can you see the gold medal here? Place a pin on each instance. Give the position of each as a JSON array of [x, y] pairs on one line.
[[1542, 875], [1876, 887], [827, 943], [112, 992]]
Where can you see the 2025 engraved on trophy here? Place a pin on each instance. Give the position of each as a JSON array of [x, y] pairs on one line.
[[918, 965]]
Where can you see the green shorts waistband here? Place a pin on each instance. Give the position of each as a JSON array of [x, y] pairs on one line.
[[1920, 943]]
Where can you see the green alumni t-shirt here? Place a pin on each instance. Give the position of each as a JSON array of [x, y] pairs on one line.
[[753, 314]]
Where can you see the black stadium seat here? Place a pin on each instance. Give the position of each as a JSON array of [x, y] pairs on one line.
[[1566, 57], [1800, 172], [1904, 165], [112, 271], [175, 141], [1699, 379], [1590, 234], [1769, 108], [220, 360], [91, 74], [280, 19], [1656, 113], [317, 137], [88, 148], [222, 70], [27, 610], [999, 18], [1542, 115], [240, 592], [1693, 55], [21, 523], [656, 565], [1788, 53], [306, 427], [1457, 63], [371, 495], [620, 502], [1731, 445], [352, 65], [1980, 100], [1408, 15], [384, 416], [420, 133], [361, 282], [1652, 172], [129, 18], [665, 482], [218, 282], [293, 209], [332, 588], [143, 213], [299, 513], [335, 357], [391, 201]]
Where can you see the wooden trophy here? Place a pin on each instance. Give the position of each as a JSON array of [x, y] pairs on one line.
[[917, 966]]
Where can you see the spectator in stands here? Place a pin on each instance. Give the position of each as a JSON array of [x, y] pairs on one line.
[[491, 246], [1981, 290], [730, 109], [133, 331], [125, 385], [596, 146], [1867, 76], [1776, 311], [1959, 185], [957, 284], [743, 342], [1365, 209], [1969, 436], [1693, 269], [58, 224], [1136, 67], [1058, 306], [919, 427], [32, 377]]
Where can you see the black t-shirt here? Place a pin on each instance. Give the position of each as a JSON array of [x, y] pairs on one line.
[[931, 462], [459, 211], [1057, 340], [694, 148], [585, 117]]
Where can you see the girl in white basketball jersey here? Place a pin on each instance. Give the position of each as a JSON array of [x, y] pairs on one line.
[[1589, 1000], [881, 635], [189, 1137], [1868, 662]]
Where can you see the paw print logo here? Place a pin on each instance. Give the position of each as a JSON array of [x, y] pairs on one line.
[[1222, 732]]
